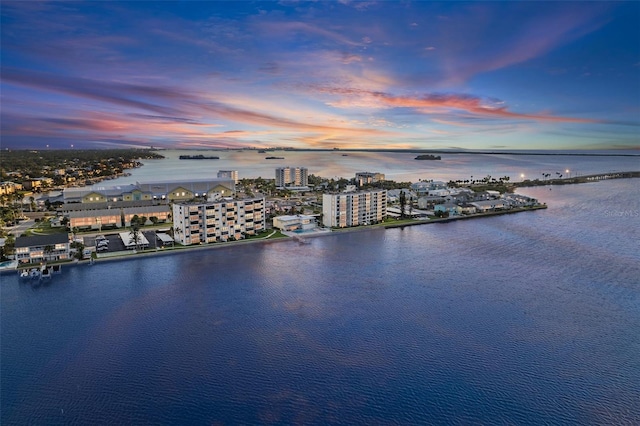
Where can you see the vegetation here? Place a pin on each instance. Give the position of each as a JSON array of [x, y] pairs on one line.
[[20, 166]]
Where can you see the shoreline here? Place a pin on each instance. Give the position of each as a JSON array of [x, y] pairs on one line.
[[123, 256]]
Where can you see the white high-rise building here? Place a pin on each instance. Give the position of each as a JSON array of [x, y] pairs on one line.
[[354, 208], [228, 174], [224, 220], [288, 176]]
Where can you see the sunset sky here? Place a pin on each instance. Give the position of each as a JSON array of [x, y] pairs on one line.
[[348, 74]]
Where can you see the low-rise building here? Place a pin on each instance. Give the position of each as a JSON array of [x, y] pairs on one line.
[[354, 208], [294, 222], [214, 221], [9, 187], [451, 208], [95, 219], [41, 248]]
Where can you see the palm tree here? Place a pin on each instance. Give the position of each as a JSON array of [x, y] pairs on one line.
[[134, 235], [48, 249]]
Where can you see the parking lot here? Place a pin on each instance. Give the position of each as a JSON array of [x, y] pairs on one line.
[[115, 243]]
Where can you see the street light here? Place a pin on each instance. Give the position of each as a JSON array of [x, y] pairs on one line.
[[522, 176]]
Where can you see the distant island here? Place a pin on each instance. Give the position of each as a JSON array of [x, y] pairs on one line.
[[198, 157], [428, 157], [274, 158]]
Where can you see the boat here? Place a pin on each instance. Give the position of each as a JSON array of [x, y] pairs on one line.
[[24, 274], [274, 158], [198, 157], [45, 272], [428, 157], [56, 269], [34, 274]]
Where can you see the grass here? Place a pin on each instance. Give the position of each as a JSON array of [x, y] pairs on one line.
[[44, 228], [277, 234]]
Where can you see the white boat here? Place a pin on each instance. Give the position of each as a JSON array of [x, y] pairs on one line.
[[24, 274], [45, 272], [34, 274]]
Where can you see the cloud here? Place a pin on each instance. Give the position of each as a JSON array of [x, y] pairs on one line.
[[436, 102], [282, 28]]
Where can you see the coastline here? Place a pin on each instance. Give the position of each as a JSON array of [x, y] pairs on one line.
[[123, 256]]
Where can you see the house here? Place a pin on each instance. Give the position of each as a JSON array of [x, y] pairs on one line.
[[490, 205], [294, 222], [429, 201], [9, 187], [42, 248], [451, 208]]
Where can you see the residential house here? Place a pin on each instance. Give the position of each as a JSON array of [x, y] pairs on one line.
[[294, 222]]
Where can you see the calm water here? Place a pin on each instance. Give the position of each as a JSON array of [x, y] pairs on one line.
[[529, 318], [400, 167]]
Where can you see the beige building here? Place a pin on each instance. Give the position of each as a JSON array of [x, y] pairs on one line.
[[215, 221], [354, 208], [228, 174], [171, 191], [290, 176], [364, 178], [9, 187]]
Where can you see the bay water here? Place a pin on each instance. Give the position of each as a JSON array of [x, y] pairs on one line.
[[528, 318]]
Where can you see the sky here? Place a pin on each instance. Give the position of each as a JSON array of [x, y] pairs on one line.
[[339, 74]]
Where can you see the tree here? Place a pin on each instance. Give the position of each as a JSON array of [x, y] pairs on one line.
[[48, 249], [154, 220], [411, 206], [135, 220], [134, 235], [403, 203]]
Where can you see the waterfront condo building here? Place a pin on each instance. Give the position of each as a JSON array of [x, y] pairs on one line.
[[228, 174], [214, 221], [354, 208], [288, 176], [364, 178]]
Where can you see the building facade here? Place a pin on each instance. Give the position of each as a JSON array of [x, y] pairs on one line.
[[224, 220], [294, 222], [289, 176], [41, 248], [354, 208], [228, 174], [364, 178]]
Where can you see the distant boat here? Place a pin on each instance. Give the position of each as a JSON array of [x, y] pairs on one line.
[[198, 157], [274, 158], [345, 155], [262, 151], [428, 157]]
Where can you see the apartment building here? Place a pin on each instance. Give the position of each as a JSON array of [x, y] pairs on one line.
[[223, 220], [289, 176], [42, 248], [228, 174], [354, 208], [364, 178]]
